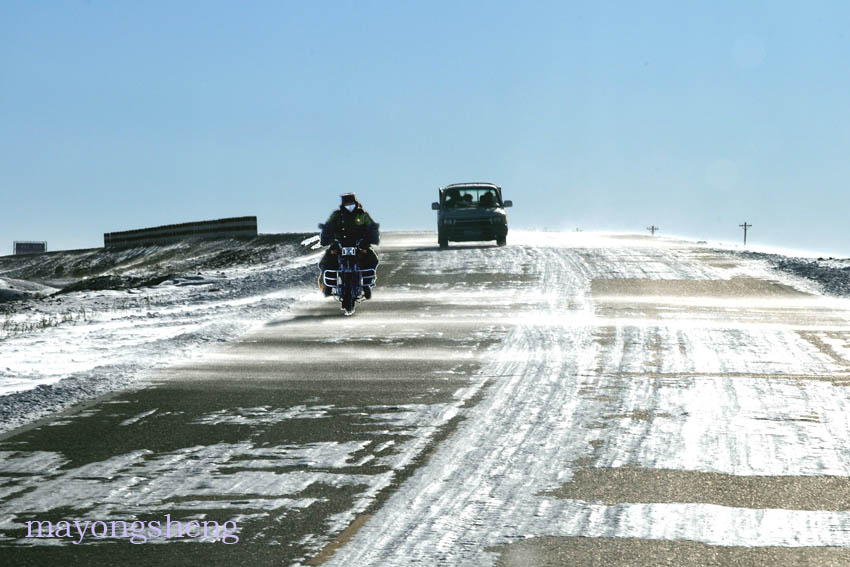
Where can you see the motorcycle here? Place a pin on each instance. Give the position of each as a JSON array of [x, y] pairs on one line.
[[350, 284]]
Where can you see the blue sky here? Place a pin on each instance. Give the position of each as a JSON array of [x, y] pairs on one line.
[[600, 115]]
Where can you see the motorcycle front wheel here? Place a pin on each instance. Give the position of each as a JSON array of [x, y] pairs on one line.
[[349, 299]]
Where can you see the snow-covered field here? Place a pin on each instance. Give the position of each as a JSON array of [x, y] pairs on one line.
[[56, 350]]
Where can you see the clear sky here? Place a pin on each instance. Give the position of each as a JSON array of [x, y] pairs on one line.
[[692, 116]]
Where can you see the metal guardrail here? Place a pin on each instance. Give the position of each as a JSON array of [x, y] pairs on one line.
[[21, 247], [170, 233]]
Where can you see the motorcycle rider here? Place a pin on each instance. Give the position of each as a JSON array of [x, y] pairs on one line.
[[351, 225]]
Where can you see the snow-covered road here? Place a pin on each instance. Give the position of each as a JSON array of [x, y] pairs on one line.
[[652, 365], [489, 406]]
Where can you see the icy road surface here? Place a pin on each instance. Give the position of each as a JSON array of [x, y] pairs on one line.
[[656, 391], [569, 399]]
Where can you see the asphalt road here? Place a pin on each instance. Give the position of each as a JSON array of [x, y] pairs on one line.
[[569, 399]]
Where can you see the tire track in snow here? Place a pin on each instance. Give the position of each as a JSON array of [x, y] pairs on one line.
[[479, 489]]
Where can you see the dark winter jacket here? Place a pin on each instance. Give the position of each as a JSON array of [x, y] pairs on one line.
[[348, 228]]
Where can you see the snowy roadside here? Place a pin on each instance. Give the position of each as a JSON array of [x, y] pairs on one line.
[[831, 275], [809, 271], [60, 350]]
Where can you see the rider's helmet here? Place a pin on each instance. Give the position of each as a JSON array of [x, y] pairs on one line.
[[349, 202]]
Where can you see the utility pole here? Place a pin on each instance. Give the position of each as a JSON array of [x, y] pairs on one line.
[[745, 226], [652, 229]]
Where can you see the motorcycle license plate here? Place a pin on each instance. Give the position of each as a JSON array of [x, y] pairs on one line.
[[349, 251]]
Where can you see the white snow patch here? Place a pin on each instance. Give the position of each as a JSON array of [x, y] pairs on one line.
[[263, 414], [58, 351], [137, 418]]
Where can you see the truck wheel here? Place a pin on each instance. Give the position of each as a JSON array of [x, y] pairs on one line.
[[503, 241]]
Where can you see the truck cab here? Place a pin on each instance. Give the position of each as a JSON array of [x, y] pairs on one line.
[[471, 212]]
